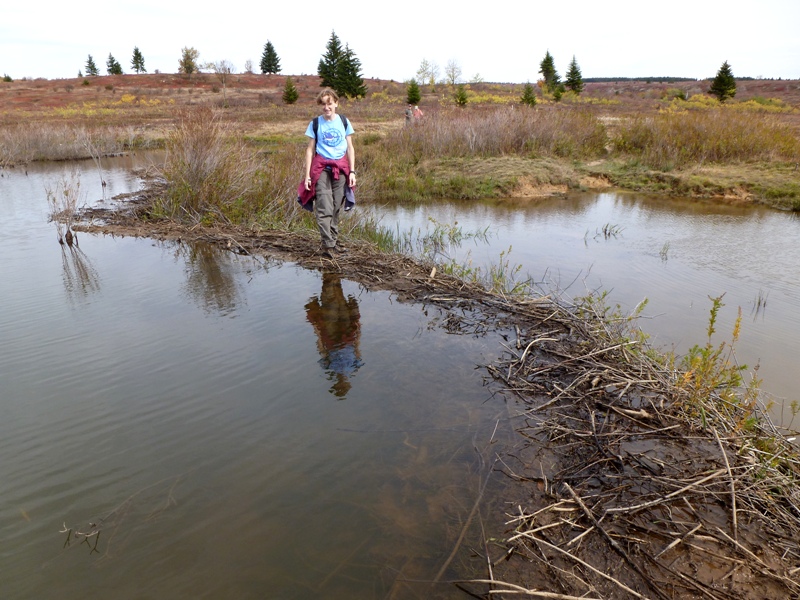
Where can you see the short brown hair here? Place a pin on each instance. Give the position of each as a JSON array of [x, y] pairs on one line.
[[327, 92]]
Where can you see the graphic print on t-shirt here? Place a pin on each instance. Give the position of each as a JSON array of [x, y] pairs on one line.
[[332, 137]]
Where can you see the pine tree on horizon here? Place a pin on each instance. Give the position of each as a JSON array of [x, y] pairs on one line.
[[548, 70], [112, 66], [340, 69], [270, 63], [574, 80], [724, 84], [348, 76], [137, 61], [328, 67], [91, 68], [290, 93]]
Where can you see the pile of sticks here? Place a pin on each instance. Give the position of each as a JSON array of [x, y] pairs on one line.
[[627, 494]]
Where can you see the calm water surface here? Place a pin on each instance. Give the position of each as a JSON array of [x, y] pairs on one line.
[[675, 253], [232, 428], [240, 429]]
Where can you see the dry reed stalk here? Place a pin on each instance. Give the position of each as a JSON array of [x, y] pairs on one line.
[[63, 199]]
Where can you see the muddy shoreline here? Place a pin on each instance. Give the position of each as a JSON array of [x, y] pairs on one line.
[[618, 489]]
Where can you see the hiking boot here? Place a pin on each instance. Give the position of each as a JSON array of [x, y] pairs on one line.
[[339, 249], [327, 252]]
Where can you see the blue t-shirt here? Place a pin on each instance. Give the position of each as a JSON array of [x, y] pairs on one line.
[[331, 137]]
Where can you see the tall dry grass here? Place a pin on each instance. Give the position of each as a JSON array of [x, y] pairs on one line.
[[214, 175], [672, 140], [572, 133], [63, 199], [205, 167], [24, 143]]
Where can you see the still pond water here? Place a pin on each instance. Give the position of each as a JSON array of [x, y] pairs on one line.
[[674, 253], [232, 428], [235, 428]]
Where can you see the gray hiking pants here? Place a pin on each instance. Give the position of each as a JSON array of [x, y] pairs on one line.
[[328, 205]]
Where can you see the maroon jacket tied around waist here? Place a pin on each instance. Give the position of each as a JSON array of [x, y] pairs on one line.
[[338, 168]]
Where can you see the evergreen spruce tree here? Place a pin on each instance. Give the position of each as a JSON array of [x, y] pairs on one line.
[[460, 96], [528, 95], [91, 68], [349, 82], [270, 63], [340, 69], [329, 65], [137, 62], [290, 93], [548, 70], [574, 80], [724, 85], [413, 95], [112, 66]]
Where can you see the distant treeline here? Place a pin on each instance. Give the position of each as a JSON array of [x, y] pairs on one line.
[[664, 79], [646, 79]]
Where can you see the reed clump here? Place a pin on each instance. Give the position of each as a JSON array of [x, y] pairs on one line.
[[672, 140], [569, 133], [63, 199], [204, 169], [212, 174], [27, 142]]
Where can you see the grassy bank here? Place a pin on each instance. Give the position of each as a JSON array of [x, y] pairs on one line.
[[720, 154], [645, 137], [215, 173], [716, 153]]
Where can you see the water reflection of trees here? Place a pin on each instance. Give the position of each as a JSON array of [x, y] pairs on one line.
[[210, 277], [336, 321], [78, 274]]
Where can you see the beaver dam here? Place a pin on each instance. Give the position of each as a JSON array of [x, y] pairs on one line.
[[633, 475]]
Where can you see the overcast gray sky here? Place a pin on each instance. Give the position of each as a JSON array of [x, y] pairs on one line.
[[501, 41]]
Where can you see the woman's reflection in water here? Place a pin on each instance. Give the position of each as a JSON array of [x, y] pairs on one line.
[[336, 322]]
